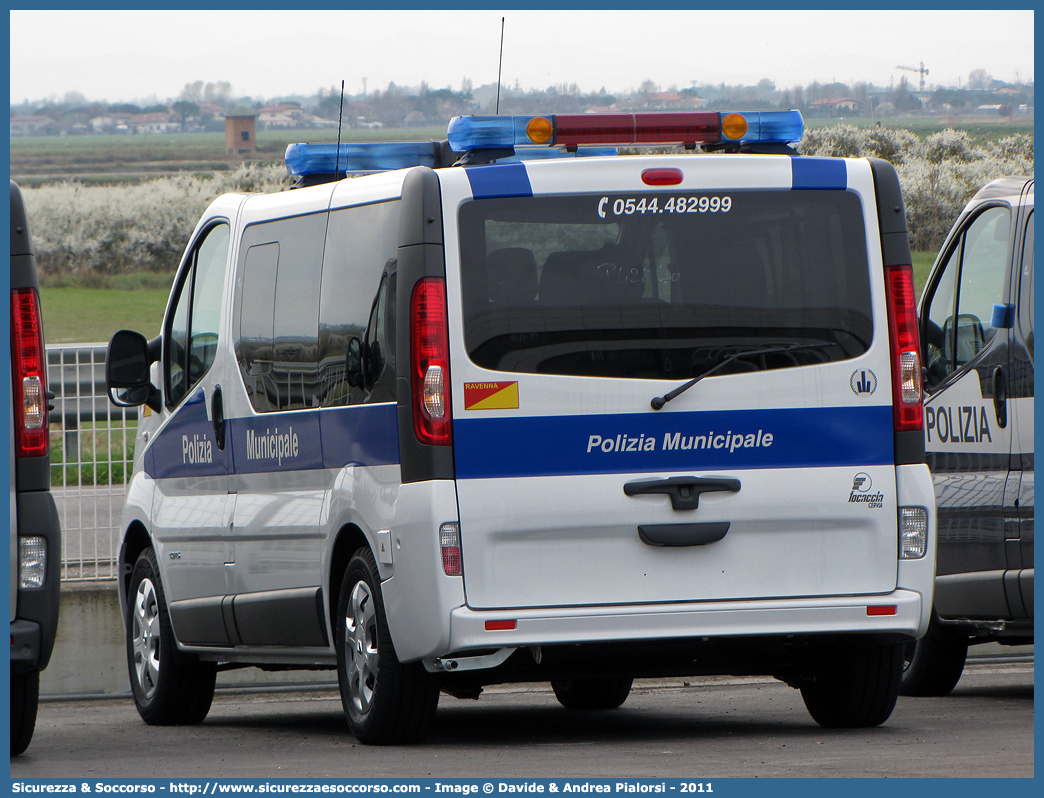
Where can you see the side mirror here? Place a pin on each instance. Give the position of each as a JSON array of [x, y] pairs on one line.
[[353, 363], [127, 362]]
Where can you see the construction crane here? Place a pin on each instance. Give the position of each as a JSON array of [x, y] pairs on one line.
[[922, 69]]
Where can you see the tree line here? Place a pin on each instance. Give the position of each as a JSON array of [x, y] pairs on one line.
[[202, 106]]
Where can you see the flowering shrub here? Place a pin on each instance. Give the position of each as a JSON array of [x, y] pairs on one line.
[[938, 174], [87, 234]]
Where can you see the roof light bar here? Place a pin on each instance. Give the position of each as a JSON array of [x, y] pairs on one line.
[[534, 137], [571, 130]]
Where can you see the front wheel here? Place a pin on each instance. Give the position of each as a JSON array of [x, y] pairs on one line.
[[855, 686], [170, 688], [386, 702], [25, 698], [606, 692]]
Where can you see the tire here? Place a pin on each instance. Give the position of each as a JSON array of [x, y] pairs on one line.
[[933, 665], [25, 698], [857, 687], [385, 701], [607, 692], [170, 688]]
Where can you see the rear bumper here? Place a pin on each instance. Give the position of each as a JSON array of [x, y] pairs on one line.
[[776, 617]]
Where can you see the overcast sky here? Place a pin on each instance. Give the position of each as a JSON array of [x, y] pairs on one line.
[[135, 56]]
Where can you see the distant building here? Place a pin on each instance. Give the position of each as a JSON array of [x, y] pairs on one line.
[[106, 123], [285, 115], [241, 133], [835, 105], [157, 122], [666, 101], [31, 125]]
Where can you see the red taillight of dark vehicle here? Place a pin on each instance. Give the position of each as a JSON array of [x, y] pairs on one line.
[[29, 369]]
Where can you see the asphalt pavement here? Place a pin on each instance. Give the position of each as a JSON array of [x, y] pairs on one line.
[[705, 728]]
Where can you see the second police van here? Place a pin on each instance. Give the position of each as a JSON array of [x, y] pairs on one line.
[[487, 416], [977, 317]]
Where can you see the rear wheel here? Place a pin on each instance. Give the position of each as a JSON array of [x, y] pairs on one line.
[[933, 665], [606, 692], [857, 687], [25, 698], [170, 688], [386, 701]]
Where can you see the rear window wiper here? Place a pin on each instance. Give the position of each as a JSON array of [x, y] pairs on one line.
[[659, 401]]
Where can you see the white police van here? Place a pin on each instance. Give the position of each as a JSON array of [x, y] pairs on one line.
[[977, 312], [495, 417]]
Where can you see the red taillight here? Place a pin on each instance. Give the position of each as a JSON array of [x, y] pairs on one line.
[[905, 350], [683, 128], [29, 369], [449, 542], [662, 177], [429, 354]]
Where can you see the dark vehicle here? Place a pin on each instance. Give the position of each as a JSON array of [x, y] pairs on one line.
[[977, 330], [35, 533]]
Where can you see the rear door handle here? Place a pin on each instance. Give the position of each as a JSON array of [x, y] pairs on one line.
[[682, 534], [685, 492]]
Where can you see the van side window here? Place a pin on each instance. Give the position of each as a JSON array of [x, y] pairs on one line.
[[360, 243], [193, 332], [961, 307], [276, 315], [306, 288]]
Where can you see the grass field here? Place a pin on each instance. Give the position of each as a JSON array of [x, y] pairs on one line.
[[92, 315]]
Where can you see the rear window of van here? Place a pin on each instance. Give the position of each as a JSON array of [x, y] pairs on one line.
[[664, 287]]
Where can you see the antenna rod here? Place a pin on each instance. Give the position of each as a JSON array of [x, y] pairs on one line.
[[500, 65], [340, 112]]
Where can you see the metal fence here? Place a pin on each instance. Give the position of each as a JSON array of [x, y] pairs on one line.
[[92, 454]]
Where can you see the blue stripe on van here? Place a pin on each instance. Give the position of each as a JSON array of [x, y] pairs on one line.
[[305, 439], [186, 445], [499, 180], [361, 435], [819, 173], [672, 441], [364, 435]]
